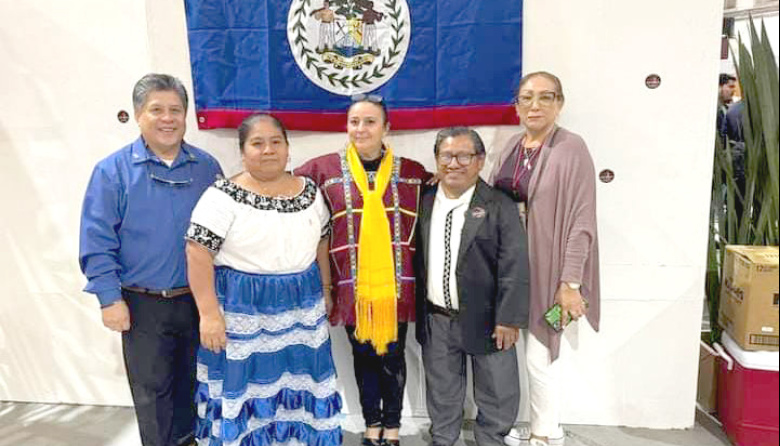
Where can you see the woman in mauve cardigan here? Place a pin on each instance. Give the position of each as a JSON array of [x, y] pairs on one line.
[[550, 173]]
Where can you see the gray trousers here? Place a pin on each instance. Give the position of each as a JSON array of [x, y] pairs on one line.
[[496, 386]]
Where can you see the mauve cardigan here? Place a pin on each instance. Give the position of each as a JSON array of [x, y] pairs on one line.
[[562, 233]]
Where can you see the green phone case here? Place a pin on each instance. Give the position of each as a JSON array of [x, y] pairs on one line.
[[553, 316]]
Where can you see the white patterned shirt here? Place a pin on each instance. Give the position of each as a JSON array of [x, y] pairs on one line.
[[260, 235], [441, 241]]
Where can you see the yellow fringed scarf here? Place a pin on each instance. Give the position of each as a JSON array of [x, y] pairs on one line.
[[375, 302]]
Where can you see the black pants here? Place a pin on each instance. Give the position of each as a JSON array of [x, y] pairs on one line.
[[160, 357], [380, 379]]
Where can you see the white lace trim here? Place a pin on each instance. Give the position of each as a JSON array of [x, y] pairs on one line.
[[290, 442], [244, 324], [298, 415], [231, 407], [243, 348]]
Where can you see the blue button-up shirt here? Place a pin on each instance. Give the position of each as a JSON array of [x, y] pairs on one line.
[[135, 214]]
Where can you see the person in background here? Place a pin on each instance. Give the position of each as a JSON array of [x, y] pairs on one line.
[[373, 196], [472, 297], [727, 85], [733, 136], [732, 126], [257, 255], [135, 213], [549, 172]]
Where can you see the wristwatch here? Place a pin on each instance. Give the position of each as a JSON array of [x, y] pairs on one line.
[[573, 285]]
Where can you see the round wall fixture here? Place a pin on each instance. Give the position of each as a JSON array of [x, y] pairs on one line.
[[123, 116], [653, 81], [606, 176]]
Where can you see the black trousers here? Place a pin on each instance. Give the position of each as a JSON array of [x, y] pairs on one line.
[[380, 379], [160, 357]]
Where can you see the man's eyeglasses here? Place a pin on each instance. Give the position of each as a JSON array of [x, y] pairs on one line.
[[374, 98], [464, 159], [545, 98], [169, 181]]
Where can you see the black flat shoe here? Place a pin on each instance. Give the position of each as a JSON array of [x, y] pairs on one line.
[[371, 442], [389, 442]]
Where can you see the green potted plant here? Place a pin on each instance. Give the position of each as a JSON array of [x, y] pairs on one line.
[[746, 214]]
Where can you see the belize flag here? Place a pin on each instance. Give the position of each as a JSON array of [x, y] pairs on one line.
[[436, 63]]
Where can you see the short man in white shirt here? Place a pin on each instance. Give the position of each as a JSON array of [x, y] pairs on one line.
[[472, 293]]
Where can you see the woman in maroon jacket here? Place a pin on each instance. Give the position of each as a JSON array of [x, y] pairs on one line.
[[363, 178]]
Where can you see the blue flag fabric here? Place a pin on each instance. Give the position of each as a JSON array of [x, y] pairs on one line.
[[435, 62]]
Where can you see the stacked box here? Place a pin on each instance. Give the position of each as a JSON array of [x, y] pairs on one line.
[[749, 297]]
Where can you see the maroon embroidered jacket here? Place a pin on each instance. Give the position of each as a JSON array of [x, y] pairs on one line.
[[401, 200]]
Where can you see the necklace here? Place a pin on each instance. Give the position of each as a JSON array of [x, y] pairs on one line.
[[528, 153]]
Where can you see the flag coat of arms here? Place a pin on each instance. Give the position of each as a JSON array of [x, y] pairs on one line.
[[436, 63]]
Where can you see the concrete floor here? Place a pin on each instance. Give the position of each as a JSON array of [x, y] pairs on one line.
[[24, 424]]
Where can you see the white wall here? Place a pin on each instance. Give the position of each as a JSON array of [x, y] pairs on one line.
[[641, 369], [69, 68]]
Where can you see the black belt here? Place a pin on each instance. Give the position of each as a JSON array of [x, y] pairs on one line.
[[435, 309], [172, 292]]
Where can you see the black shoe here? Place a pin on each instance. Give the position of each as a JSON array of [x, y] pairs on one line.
[[389, 442], [371, 442], [189, 440]]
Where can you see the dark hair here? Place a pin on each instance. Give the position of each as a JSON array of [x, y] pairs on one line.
[[251, 120], [371, 99], [725, 79], [157, 82], [453, 132], [549, 76]]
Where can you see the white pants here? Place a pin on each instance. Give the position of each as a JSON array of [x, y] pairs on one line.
[[369, 37], [544, 379], [327, 35]]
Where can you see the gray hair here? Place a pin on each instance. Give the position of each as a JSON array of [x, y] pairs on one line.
[[453, 132], [157, 82]]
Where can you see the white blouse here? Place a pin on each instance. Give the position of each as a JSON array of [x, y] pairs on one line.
[[258, 234]]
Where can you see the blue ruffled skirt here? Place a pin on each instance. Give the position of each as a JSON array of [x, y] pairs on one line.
[[276, 382]]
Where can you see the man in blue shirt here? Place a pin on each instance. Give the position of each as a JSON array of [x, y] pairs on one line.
[[136, 211]]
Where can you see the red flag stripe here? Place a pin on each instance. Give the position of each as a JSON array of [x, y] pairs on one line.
[[401, 119]]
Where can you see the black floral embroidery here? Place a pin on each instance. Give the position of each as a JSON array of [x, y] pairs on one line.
[[204, 236], [326, 230], [298, 203]]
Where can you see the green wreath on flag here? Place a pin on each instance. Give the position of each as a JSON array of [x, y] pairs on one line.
[[334, 77]]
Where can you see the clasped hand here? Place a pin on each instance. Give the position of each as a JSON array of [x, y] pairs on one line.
[[116, 316], [571, 302]]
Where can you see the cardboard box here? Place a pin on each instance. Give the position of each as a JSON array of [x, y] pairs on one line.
[[707, 388], [749, 297]]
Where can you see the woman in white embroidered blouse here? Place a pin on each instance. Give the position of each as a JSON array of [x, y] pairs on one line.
[[257, 257]]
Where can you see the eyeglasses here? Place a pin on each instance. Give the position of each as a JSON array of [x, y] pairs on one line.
[[464, 159], [169, 181], [374, 98], [545, 98]]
